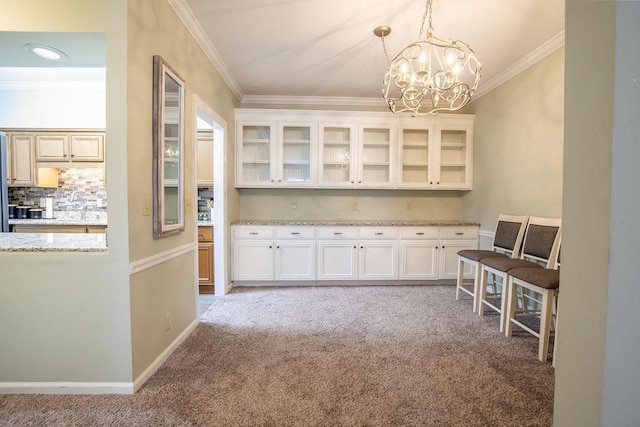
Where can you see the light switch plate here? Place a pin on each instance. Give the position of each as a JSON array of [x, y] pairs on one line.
[[146, 206]]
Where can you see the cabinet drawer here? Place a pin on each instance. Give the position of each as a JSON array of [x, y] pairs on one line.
[[425, 233], [378, 233], [253, 232], [458, 233], [205, 234], [337, 233], [294, 233]]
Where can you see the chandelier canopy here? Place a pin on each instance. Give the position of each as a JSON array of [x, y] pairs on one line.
[[430, 75]]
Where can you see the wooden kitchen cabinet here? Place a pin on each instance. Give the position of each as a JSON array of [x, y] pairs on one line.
[[69, 146], [205, 259], [34, 228], [205, 158], [22, 170]]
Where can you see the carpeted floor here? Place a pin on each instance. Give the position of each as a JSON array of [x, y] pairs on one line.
[[327, 356]]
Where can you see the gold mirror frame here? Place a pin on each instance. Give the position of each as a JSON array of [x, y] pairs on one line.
[[168, 149]]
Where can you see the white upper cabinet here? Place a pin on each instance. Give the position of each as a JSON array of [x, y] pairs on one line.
[[255, 154], [343, 149], [436, 155], [337, 151]]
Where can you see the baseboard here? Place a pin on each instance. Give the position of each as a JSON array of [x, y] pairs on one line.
[[155, 365], [66, 388], [308, 283]]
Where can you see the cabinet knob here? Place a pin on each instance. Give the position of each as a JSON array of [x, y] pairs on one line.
[[64, 155], [352, 182], [354, 247], [361, 247], [360, 182], [277, 247], [270, 247], [73, 155], [272, 180]]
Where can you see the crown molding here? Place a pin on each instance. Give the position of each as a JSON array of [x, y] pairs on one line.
[[190, 21], [553, 44], [313, 100], [52, 85]]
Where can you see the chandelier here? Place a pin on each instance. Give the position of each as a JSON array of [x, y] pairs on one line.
[[430, 75]]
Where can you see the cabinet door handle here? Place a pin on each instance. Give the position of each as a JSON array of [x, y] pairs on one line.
[[378, 234], [355, 247], [361, 247], [201, 236], [337, 233], [420, 234], [64, 155], [253, 233], [459, 233], [295, 233], [270, 247], [277, 247]]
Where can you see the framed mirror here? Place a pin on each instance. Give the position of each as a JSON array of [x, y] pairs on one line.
[[168, 149]]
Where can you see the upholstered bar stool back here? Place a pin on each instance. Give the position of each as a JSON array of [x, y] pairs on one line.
[[540, 249], [507, 242]]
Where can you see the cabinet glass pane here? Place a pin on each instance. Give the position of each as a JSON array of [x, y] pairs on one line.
[[336, 154], [453, 153], [296, 154], [415, 155], [376, 152], [256, 153]]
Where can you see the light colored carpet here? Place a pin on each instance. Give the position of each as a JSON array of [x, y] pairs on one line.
[[325, 356]]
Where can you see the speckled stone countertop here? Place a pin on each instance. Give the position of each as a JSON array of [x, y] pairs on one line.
[[66, 218], [202, 223], [358, 223], [53, 242]]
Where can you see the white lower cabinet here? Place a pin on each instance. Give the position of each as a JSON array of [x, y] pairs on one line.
[[273, 253], [337, 253], [419, 253], [378, 253], [324, 253], [452, 240]]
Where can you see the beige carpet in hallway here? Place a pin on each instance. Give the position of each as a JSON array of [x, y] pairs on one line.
[[326, 356]]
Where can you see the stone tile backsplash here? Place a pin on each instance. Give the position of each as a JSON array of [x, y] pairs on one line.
[[205, 203], [78, 189]]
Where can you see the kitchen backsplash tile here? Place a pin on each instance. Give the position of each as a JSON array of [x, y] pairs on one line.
[[78, 189], [205, 202]]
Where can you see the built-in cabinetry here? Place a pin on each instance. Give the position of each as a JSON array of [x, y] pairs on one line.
[[27, 228], [341, 149], [205, 259], [22, 171], [29, 148], [262, 253], [345, 253], [275, 153], [205, 158], [65, 146]]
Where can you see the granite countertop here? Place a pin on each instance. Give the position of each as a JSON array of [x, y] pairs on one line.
[[53, 242], [356, 223], [67, 218], [202, 223]]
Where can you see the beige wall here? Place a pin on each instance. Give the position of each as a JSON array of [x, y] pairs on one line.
[[339, 204], [170, 287], [518, 137], [65, 316], [590, 45]]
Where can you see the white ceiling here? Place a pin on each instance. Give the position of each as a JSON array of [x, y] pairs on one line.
[[326, 48]]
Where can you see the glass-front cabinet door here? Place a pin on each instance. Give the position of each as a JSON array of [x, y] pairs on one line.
[[376, 156], [455, 157], [256, 154], [337, 155], [296, 159], [414, 156]]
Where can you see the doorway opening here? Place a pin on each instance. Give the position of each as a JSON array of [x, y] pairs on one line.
[[208, 118]]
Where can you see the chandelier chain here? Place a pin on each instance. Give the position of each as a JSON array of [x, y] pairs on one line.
[[427, 13]]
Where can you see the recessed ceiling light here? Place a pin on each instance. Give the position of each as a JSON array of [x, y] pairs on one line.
[[46, 52]]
